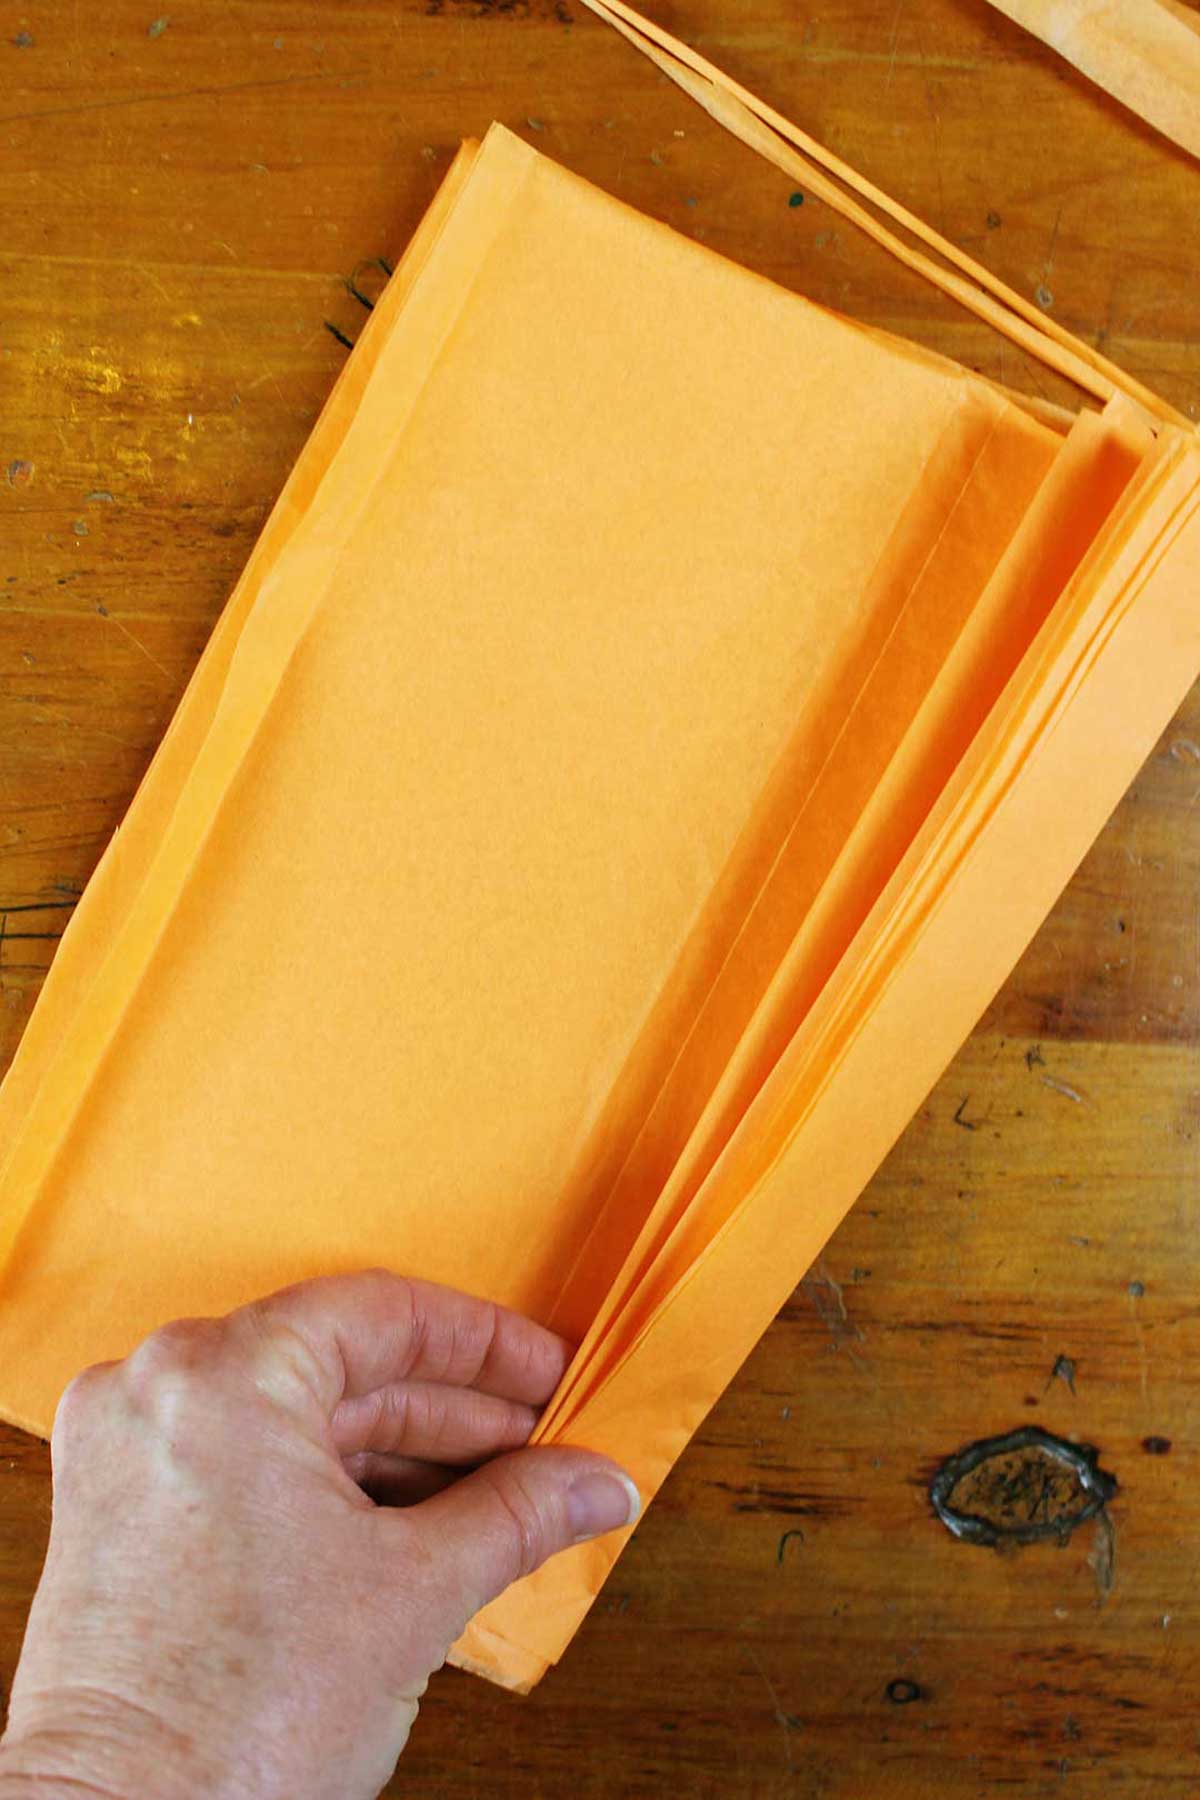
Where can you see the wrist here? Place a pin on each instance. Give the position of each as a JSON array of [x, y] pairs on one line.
[[30, 1774], [17, 1786], [98, 1749], [53, 1766]]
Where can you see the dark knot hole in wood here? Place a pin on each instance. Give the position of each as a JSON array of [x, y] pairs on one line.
[[1020, 1487]]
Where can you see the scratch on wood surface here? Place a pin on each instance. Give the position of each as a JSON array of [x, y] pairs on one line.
[[194, 93], [1049, 263], [150, 657], [935, 127], [828, 1301], [1102, 1557], [83, 728], [893, 42], [785, 1722], [1064, 1088]]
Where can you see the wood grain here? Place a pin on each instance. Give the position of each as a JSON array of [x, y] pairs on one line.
[[179, 214]]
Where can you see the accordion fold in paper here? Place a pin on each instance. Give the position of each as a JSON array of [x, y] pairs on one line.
[[656, 716]]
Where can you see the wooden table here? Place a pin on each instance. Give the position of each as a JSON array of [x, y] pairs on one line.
[[182, 198]]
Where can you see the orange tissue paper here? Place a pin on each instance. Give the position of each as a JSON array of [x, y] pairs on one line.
[[669, 709]]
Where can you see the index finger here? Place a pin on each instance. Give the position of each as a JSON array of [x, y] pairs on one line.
[[367, 1330]]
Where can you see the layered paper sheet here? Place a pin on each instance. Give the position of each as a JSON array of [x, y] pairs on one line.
[[655, 718]]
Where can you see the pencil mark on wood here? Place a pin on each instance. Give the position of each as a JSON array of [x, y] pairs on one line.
[[381, 265], [785, 1540], [960, 1117], [1064, 1371]]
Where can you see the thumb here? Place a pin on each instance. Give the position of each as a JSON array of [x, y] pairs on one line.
[[504, 1520]]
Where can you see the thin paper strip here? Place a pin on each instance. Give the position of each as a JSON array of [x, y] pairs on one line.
[[800, 156], [1145, 53]]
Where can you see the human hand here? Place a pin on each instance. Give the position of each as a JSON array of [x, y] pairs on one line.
[[225, 1609]]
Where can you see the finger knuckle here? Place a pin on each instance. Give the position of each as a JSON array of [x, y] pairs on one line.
[[487, 1329], [522, 1522], [400, 1411], [81, 1400], [283, 1365], [171, 1369], [183, 1344], [381, 1276]]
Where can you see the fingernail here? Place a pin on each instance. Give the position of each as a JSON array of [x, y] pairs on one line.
[[599, 1501]]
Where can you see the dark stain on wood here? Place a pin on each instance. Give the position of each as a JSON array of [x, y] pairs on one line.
[[556, 10], [756, 1497]]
